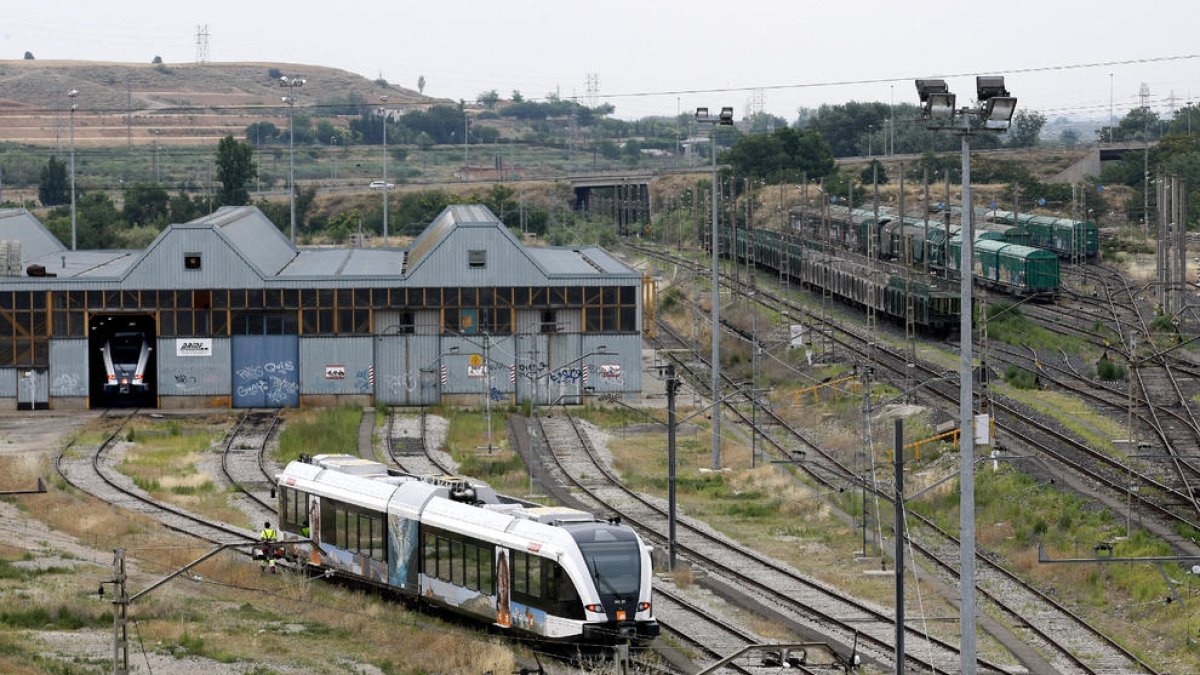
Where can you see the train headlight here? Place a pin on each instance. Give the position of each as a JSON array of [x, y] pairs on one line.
[[643, 606], [595, 607]]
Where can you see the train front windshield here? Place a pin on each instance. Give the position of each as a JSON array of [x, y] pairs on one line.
[[613, 560], [126, 348]]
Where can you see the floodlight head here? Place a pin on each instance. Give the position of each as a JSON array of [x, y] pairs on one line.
[[989, 86], [940, 106], [927, 87], [701, 113], [73, 93], [727, 116], [999, 108], [285, 99], [283, 79], [383, 97]]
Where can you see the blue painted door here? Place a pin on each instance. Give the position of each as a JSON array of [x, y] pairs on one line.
[[266, 371]]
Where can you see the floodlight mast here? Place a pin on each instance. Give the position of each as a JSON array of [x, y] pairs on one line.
[[724, 119], [993, 103]]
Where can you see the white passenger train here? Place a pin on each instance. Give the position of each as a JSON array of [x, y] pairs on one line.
[[552, 572], [125, 356]]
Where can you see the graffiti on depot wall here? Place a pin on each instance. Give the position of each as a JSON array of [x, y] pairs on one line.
[[269, 379]]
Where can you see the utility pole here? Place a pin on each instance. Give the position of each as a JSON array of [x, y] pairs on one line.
[[672, 388], [1144, 94], [898, 458], [120, 613]]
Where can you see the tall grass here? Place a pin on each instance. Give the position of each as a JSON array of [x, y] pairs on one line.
[[325, 431]]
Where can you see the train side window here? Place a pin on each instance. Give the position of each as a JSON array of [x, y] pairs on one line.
[[443, 559], [456, 563], [535, 576], [471, 562], [486, 560], [430, 543], [328, 522], [519, 580]]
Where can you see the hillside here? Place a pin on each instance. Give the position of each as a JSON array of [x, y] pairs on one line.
[[185, 103]]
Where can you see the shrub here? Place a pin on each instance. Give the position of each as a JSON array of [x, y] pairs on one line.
[[1109, 371], [1020, 378]]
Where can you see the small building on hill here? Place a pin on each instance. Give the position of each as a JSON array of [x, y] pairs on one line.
[[225, 311]]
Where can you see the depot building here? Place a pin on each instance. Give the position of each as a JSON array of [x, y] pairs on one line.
[[224, 311]]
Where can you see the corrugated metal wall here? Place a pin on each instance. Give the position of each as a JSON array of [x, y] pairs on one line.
[[335, 365], [621, 372], [265, 371], [194, 375], [33, 389], [8, 382], [69, 367]]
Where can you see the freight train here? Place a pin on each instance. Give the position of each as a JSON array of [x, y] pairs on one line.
[[1065, 237], [1004, 259], [935, 305], [549, 572]]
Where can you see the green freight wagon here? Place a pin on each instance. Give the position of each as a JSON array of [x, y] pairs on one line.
[[1022, 270]]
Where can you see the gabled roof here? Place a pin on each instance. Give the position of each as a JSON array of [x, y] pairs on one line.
[[451, 218], [36, 240], [253, 235]]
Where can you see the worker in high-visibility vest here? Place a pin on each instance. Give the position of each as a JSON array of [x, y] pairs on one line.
[[268, 537]]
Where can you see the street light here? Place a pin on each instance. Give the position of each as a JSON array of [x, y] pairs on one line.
[[725, 119], [993, 103], [383, 112], [291, 83], [334, 142], [72, 94]]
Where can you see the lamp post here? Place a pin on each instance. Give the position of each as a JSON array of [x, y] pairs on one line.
[[72, 94], [724, 119], [384, 116], [993, 103], [334, 142], [291, 83]]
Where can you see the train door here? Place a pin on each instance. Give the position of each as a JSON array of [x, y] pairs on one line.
[[396, 382], [266, 371], [33, 389]]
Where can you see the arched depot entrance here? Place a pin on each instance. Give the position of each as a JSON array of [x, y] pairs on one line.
[[121, 361]]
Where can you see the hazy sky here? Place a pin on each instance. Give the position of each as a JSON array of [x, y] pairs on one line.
[[654, 56]]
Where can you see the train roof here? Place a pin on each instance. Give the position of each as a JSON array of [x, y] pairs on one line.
[[439, 501]]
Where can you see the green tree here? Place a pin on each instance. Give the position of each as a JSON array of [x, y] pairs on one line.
[[784, 154], [262, 133], [235, 168], [488, 98], [145, 204], [28, 56], [1026, 127], [1069, 138], [874, 172], [156, 60], [53, 188], [96, 219], [517, 97], [183, 208]]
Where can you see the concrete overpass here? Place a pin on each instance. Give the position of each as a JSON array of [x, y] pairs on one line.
[[624, 196]]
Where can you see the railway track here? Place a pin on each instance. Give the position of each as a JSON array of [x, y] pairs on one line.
[[812, 605], [93, 475], [1039, 619], [1102, 654], [245, 463], [407, 440]]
